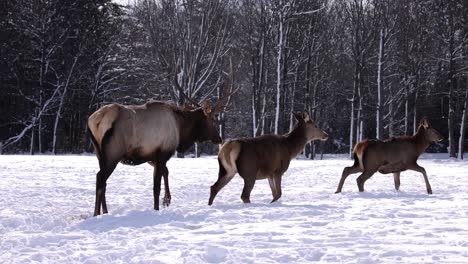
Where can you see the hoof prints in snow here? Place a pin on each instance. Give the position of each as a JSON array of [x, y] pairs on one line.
[[46, 205]]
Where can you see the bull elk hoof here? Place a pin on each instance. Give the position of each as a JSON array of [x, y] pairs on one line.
[[429, 191]]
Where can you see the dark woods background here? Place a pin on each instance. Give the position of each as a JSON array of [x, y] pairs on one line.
[[363, 69]]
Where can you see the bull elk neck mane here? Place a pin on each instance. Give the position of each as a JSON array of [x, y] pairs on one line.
[[391, 156], [264, 157]]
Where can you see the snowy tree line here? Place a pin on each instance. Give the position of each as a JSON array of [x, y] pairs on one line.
[[363, 69]]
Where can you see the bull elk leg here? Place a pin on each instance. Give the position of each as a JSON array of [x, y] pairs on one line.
[[346, 172], [363, 178], [276, 188], [167, 192], [101, 179], [396, 178], [157, 175], [416, 167]]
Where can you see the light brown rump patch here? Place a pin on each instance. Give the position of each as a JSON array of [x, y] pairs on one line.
[[359, 151], [228, 156]]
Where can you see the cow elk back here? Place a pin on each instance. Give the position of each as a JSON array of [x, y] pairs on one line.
[[264, 157], [391, 156]]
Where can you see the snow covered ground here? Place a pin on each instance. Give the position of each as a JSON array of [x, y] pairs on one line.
[[46, 204]]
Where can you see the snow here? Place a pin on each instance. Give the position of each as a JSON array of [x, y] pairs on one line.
[[46, 204]]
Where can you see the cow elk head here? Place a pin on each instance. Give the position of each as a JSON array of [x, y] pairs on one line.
[[430, 133], [312, 131]]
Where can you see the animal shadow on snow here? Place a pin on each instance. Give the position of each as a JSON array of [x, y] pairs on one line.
[[180, 218], [142, 219], [394, 195]]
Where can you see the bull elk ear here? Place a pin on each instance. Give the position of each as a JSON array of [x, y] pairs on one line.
[[305, 116], [424, 123], [206, 107]]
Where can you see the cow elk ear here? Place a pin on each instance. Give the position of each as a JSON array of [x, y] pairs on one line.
[[424, 123], [206, 107], [297, 116], [305, 116]]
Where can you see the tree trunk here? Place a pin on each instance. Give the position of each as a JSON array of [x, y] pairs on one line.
[[406, 106], [379, 128], [254, 116], [39, 135], [461, 140], [359, 111], [31, 146], [279, 70], [450, 119], [351, 126], [293, 94], [62, 99], [415, 113], [257, 94]]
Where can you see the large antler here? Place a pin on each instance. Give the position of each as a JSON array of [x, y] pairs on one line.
[[227, 92], [181, 91]]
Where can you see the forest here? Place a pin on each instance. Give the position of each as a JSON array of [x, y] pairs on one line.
[[361, 68]]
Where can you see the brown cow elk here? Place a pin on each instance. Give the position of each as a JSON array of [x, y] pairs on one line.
[[391, 156], [264, 157]]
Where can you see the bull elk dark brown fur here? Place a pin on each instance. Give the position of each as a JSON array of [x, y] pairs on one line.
[[264, 157], [136, 134], [391, 156]]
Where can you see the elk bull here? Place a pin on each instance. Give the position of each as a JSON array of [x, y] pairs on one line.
[[264, 157], [391, 156], [152, 132]]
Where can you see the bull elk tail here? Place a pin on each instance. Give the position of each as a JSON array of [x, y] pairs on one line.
[[95, 144], [101, 128]]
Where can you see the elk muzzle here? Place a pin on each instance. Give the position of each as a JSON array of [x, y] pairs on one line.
[[324, 136]]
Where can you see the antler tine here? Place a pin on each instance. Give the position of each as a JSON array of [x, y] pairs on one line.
[[220, 106], [177, 85]]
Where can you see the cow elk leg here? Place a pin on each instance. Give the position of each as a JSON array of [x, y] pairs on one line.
[[224, 177], [363, 178], [275, 185], [346, 172], [249, 183], [420, 169], [396, 178]]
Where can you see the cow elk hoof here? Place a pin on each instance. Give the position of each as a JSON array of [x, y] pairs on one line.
[[245, 200], [166, 202]]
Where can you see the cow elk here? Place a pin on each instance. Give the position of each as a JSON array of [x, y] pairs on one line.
[[264, 157], [136, 134], [391, 156]]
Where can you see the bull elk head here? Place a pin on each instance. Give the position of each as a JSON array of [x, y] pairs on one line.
[[136, 134]]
